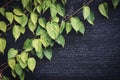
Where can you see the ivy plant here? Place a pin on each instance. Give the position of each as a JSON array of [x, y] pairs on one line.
[[46, 30]]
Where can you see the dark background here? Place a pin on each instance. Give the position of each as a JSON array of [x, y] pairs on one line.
[[93, 56]]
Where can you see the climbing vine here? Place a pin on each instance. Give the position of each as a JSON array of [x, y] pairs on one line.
[[46, 30]]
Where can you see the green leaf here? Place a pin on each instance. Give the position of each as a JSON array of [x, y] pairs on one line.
[[42, 22], [48, 53], [22, 76], [38, 47], [39, 8], [31, 63], [3, 26], [91, 18], [22, 30], [115, 3], [12, 53], [86, 12], [16, 32], [77, 24], [60, 10], [45, 39], [13, 73], [22, 20], [5, 78], [40, 31], [24, 56], [103, 9], [46, 5], [82, 28], [62, 27], [53, 10], [22, 64], [2, 11], [11, 63], [68, 27], [18, 11], [55, 19], [2, 44], [60, 40], [25, 3], [31, 26], [34, 17], [9, 16], [53, 30], [64, 1], [18, 69], [28, 45], [20, 58]]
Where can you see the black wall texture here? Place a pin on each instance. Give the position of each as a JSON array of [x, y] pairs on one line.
[[93, 56]]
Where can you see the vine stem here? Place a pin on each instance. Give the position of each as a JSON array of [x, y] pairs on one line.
[[3, 64], [78, 10], [7, 3]]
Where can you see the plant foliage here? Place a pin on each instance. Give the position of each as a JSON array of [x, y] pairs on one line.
[[29, 14]]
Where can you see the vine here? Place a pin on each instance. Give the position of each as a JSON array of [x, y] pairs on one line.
[[30, 14]]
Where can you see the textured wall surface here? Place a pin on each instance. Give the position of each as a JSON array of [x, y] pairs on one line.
[[94, 56]]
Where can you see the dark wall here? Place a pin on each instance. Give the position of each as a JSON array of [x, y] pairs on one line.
[[94, 56]]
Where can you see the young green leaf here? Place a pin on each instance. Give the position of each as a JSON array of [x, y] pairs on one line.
[[82, 28], [12, 53], [31, 63], [3, 26], [16, 32], [60, 40], [34, 17], [18, 11], [25, 3], [28, 45], [22, 64], [62, 26], [2, 44], [68, 27], [22, 76], [64, 1], [60, 10], [55, 19], [12, 63], [9, 16], [22, 20], [86, 12], [38, 47], [91, 18], [53, 30], [18, 69], [2, 11], [42, 22], [48, 53], [53, 10], [24, 56], [77, 24], [103, 9], [45, 39], [115, 3], [31, 26], [13, 73], [40, 31], [22, 30]]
